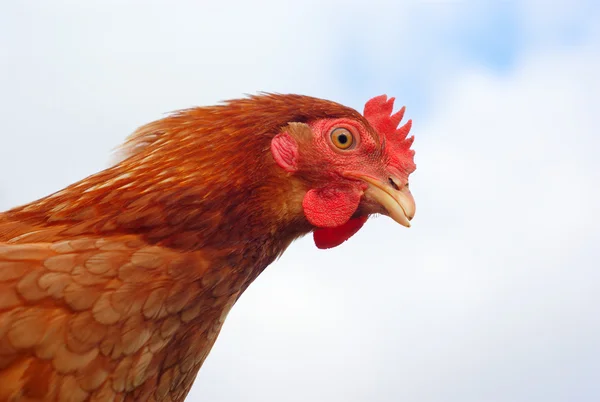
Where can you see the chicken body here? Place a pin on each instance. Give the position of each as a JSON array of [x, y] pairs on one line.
[[105, 319], [116, 287]]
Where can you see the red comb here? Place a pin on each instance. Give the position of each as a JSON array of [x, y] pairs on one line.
[[378, 111]]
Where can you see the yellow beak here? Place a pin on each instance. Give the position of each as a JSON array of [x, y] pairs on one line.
[[399, 204]]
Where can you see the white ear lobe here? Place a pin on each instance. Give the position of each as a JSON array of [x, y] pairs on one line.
[[285, 151]]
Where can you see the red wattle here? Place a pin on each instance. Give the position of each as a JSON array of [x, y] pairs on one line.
[[332, 237], [331, 206]]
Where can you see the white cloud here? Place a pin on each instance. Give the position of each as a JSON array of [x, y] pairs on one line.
[[493, 294], [77, 78]]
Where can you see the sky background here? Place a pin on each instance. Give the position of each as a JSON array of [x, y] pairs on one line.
[[492, 295]]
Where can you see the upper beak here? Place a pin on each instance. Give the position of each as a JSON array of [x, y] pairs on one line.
[[399, 204]]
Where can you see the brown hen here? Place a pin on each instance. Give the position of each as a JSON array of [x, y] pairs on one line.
[[116, 287]]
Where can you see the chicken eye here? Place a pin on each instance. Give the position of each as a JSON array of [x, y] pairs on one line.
[[342, 138]]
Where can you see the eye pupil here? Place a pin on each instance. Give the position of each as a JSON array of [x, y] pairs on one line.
[[343, 139]]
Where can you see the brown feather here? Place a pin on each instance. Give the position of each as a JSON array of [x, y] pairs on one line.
[[116, 287]]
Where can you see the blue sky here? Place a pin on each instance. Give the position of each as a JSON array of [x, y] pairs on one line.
[[445, 39], [492, 295]]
